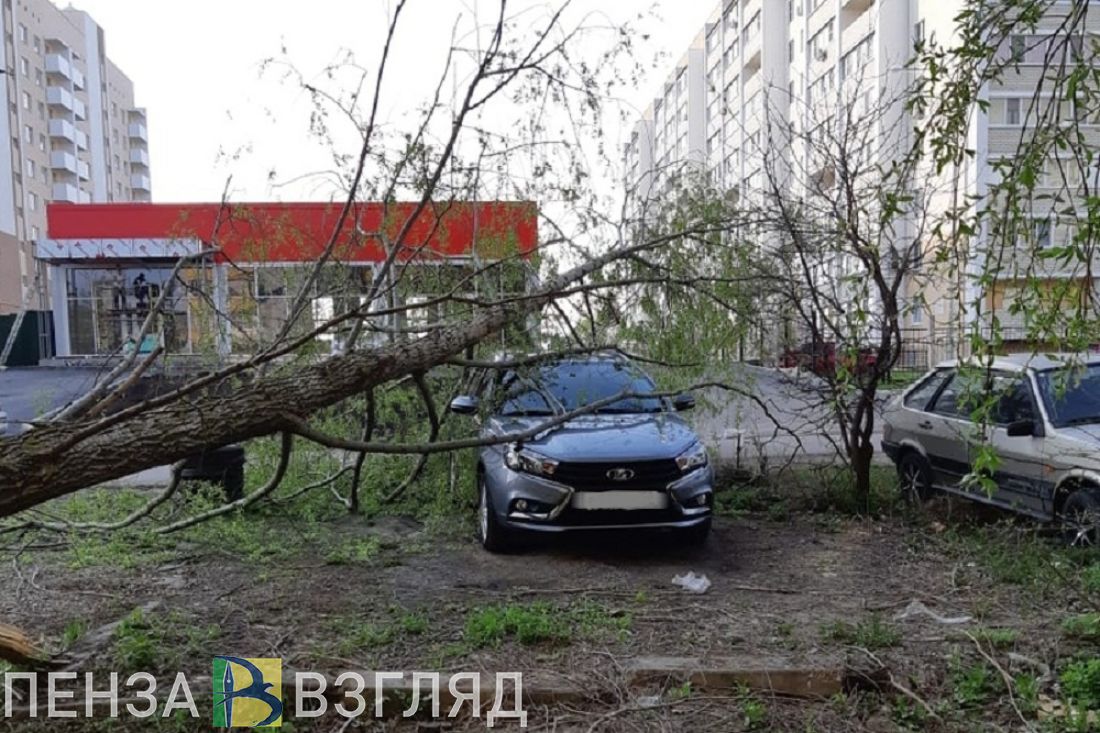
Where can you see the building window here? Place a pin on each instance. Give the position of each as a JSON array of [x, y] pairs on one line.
[[42, 143], [41, 111], [32, 202], [22, 33], [37, 44], [29, 164], [25, 66], [917, 314], [34, 233], [1018, 48], [1012, 111], [918, 34], [28, 134], [1042, 233], [26, 100], [38, 77]]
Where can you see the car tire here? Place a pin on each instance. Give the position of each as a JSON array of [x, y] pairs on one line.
[[493, 536], [914, 477], [696, 536], [233, 483], [1081, 518]]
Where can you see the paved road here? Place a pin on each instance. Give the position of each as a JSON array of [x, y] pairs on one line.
[[785, 419], [741, 431], [30, 392]]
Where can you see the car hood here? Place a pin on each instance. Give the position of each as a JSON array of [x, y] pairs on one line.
[[607, 437], [1089, 434]]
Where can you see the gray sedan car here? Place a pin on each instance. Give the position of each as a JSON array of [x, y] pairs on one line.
[[630, 463], [1040, 414]]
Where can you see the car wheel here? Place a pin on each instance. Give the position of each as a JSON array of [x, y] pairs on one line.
[[493, 536], [915, 477], [1081, 518], [696, 536]]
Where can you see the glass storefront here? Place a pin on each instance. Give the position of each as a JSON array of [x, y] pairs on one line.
[[108, 305]]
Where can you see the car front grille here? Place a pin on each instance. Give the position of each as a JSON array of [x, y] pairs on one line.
[[646, 475]]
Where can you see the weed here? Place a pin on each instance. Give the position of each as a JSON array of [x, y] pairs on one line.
[[680, 693], [363, 635], [72, 633], [414, 623], [907, 714], [1082, 626], [353, 551], [1027, 692], [874, 633], [753, 710], [136, 645], [641, 597], [1090, 578], [972, 686], [997, 638], [1081, 683]]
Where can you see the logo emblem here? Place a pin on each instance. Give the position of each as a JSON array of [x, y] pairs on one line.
[[620, 474], [248, 693]]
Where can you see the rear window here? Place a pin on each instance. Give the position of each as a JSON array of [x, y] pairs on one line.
[[919, 398]]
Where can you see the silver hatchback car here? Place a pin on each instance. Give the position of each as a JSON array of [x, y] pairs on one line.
[[1044, 427]]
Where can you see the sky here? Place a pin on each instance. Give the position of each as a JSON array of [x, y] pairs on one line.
[[214, 117]]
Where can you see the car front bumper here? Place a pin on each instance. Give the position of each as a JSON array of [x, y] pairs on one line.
[[690, 502]]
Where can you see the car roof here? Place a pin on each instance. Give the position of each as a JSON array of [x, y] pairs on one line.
[[1020, 362]]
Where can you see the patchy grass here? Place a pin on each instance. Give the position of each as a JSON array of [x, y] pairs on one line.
[[1084, 626], [821, 489], [151, 642], [540, 622], [357, 550], [873, 633], [997, 638]]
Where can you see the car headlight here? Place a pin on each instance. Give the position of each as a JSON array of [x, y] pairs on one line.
[[528, 461], [692, 458]]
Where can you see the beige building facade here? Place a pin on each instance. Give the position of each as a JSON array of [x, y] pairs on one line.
[[72, 133]]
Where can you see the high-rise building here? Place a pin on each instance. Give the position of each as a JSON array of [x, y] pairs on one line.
[[798, 65], [72, 133]]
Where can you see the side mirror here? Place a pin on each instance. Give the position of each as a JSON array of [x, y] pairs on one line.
[[683, 402], [464, 405], [1021, 429]]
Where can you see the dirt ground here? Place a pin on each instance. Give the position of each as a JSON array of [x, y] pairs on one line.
[[813, 591]]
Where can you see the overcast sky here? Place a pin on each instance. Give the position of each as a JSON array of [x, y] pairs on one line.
[[196, 68]]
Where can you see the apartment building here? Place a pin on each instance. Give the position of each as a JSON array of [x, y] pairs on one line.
[[74, 135], [796, 65]]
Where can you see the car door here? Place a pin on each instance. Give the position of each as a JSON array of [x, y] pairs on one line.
[[946, 430], [1021, 478]]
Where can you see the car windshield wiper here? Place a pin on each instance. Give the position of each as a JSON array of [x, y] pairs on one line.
[[627, 410], [528, 413]]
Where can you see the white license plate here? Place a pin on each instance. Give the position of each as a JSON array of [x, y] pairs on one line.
[[620, 500]]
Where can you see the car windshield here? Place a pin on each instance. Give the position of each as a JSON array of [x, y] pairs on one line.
[[1072, 396], [567, 386]]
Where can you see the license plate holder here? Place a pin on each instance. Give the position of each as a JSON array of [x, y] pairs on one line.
[[625, 500]]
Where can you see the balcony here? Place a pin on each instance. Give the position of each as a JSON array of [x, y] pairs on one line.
[[81, 140], [63, 129], [141, 182], [78, 78], [59, 97], [62, 161], [139, 156], [79, 109], [66, 192], [138, 132], [83, 170], [58, 64]]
